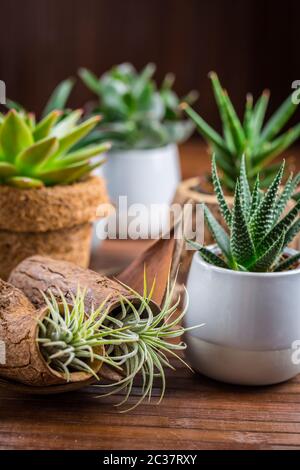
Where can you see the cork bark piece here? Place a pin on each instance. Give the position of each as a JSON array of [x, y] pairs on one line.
[[39, 274], [18, 330], [51, 208], [71, 244]]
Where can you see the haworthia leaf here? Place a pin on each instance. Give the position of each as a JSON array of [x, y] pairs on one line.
[[265, 262], [259, 113], [262, 220], [237, 130], [219, 193], [219, 234], [241, 243], [278, 119], [292, 232], [287, 263], [255, 198], [211, 258], [244, 188]]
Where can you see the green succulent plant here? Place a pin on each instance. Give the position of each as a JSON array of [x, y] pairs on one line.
[[136, 114], [137, 340], [259, 229], [258, 142], [34, 154]]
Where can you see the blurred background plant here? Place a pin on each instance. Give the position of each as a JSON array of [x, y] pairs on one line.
[[136, 112]]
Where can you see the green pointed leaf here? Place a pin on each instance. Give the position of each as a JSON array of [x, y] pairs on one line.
[[255, 198], [284, 197], [268, 258], [248, 118], [43, 128], [59, 97], [81, 155], [219, 234], [90, 80], [23, 182], [241, 242], [211, 258], [292, 232], [66, 124], [65, 143], [237, 130], [278, 120], [262, 220], [7, 170], [287, 263], [244, 188], [37, 153], [219, 193], [15, 135], [61, 175], [259, 113]]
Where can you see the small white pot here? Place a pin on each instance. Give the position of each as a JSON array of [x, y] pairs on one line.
[[146, 177], [251, 323]]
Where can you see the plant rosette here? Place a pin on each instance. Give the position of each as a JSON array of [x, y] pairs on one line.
[[48, 200], [246, 289], [148, 178]]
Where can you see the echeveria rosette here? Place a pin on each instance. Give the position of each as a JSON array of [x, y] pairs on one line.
[[34, 154], [259, 142], [259, 226], [136, 114]]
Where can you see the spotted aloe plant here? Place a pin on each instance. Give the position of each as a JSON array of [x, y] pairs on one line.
[[259, 226], [34, 154]]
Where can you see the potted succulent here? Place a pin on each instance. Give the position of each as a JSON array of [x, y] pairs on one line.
[[260, 144], [144, 124], [47, 198], [246, 288]]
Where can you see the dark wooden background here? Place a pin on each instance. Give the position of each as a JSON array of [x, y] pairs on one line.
[[252, 44]]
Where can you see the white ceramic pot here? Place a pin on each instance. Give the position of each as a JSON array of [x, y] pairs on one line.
[[251, 323], [146, 177]]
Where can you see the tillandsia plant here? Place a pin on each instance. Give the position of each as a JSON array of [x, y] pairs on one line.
[[136, 339], [136, 114], [34, 154], [259, 142], [259, 229]]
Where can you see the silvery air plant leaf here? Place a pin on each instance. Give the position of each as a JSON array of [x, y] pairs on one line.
[[34, 154], [259, 142], [137, 340], [259, 226], [136, 114]]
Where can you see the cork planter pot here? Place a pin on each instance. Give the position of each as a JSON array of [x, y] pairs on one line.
[[54, 221]]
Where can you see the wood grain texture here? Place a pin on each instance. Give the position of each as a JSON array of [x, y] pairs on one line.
[[196, 413]]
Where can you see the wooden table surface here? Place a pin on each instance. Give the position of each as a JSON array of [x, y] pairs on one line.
[[196, 413]]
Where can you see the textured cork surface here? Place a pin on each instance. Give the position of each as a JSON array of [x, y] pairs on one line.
[[71, 244], [51, 208], [18, 330]]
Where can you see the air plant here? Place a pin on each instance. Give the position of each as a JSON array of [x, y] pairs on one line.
[[136, 114], [136, 338], [34, 154], [259, 142], [258, 225]]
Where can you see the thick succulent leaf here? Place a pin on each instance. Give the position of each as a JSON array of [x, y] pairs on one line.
[[218, 233], [81, 155], [23, 182], [237, 130], [66, 142], [287, 263], [248, 118], [66, 124], [15, 135], [281, 227], [284, 197], [267, 259], [205, 130], [262, 220], [278, 119], [7, 170], [259, 113], [255, 197], [219, 193], [60, 175], [244, 188], [292, 232], [43, 128], [242, 247], [37, 153], [211, 258], [220, 100], [60, 96], [90, 80], [84, 170]]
